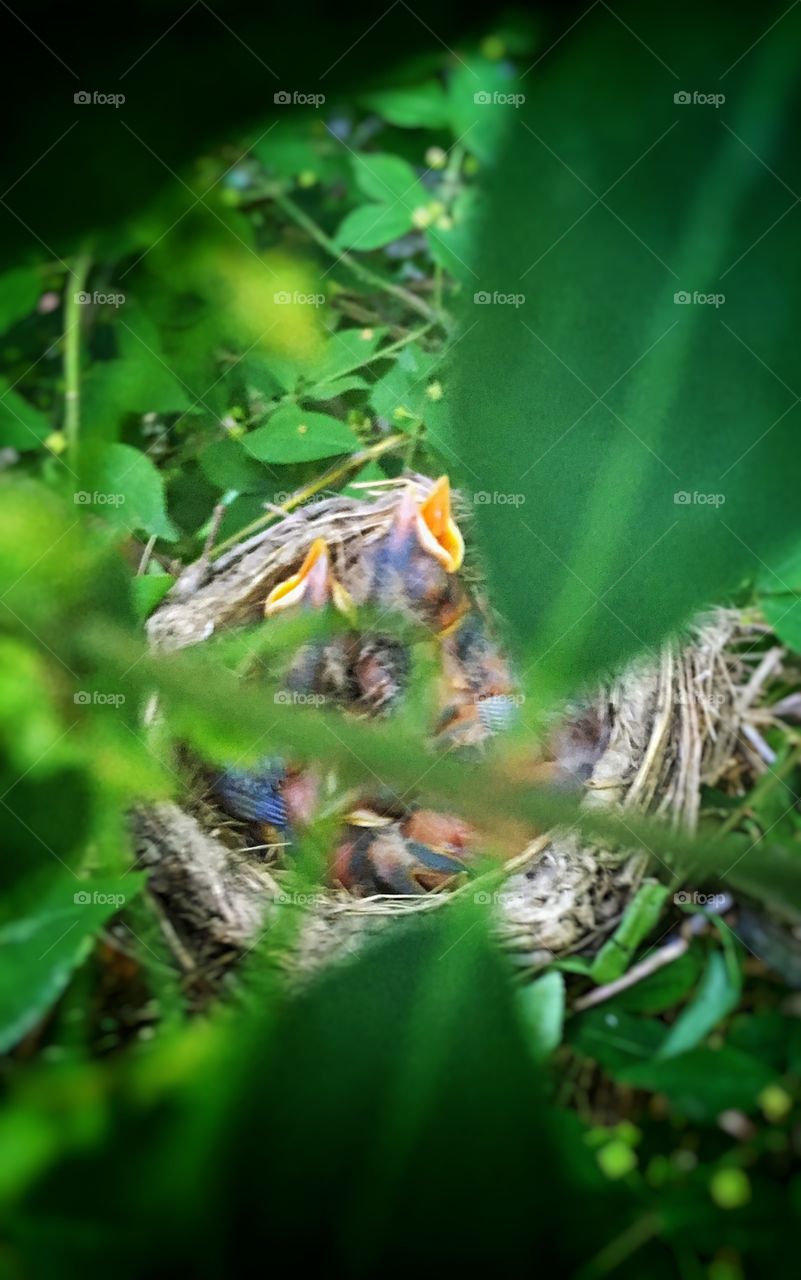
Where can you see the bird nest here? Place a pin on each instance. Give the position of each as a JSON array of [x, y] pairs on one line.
[[676, 721]]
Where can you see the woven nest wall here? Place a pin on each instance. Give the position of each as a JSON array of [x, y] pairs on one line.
[[675, 722]]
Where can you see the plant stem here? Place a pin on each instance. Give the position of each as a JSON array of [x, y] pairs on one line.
[[358, 269], [72, 353], [766, 784], [335, 473]]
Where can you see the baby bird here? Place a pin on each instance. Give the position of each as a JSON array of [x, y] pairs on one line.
[[409, 853], [411, 571], [275, 797], [362, 671]]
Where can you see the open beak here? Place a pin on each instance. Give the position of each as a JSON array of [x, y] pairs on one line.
[[314, 584], [431, 524], [437, 530]]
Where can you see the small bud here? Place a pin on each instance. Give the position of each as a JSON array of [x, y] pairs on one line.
[[436, 158], [56, 442]]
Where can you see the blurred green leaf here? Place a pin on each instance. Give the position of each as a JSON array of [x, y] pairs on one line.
[[704, 1082], [373, 225], [780, 597], [294, 435], [22, 426], [421, 106], [387, 179], [128, 491], [639, 918], [663, 989], [40, 951], [148, 590], [20, 289], [615, 1039], [542, 1006], [227, 465], [718, 993], [625, 414]]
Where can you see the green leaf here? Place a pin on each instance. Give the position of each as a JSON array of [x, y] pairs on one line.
[[125, 487], [22, 426], [349, 349], [480, 94], [373, 225], [639, 918], [386, 179], [413, 390], [148, 590], [663, 989], [632, 429], [780, 597], [542, 1007], [293, 435], [455, 248], [718, 993], [421, 106], [339, 386], [19, 292], [227, 465], [704, 1082], [40, 950], [615, 1039]]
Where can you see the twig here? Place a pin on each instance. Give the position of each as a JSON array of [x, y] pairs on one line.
[[146, 555], [337, 472], [657, 960], [72, 352], [358, 269]]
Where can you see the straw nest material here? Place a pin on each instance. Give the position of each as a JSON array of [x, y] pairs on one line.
[[677, 720]]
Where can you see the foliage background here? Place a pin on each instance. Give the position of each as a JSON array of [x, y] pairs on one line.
[[420, 1101]]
